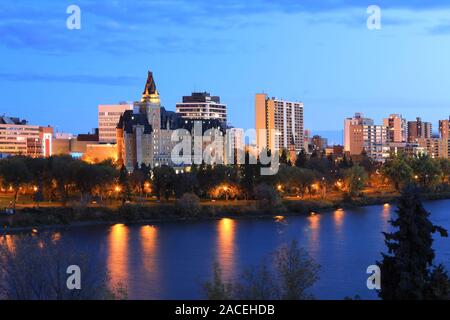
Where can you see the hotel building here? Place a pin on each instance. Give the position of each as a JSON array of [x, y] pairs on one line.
[[201, 105], [144, 134], [282, 121]]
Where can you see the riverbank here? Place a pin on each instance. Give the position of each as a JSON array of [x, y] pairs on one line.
[[48, 218]]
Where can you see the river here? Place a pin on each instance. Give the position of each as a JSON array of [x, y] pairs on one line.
[[172, 260]]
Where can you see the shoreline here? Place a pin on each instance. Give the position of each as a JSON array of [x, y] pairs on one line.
[[289, 208]]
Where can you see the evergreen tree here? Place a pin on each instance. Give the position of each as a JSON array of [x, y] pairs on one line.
[[302, 159], [407, 271]]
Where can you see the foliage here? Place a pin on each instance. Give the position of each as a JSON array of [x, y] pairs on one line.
[[290, 277], [407, 270], [34, 268], [188, 205]]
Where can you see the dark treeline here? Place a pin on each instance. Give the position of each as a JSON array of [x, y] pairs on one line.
[[63, 178]]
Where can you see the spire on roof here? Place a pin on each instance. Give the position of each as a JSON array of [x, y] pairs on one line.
[[150, 86]]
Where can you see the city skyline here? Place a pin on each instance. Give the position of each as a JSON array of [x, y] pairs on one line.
[[65, 73]]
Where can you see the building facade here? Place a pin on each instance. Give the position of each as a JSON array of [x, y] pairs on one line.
[[279, 124], [419, 130], [144, 134], [201, 105], [361, 134], [108, 119], [17, 137], [397, 128]]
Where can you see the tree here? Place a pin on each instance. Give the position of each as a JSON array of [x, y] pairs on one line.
[[445, 170], [398, 171], [407, 270], [284, 157], [427, 170], [292, 275], [164, 178], [302, 159], [15, 174], [296, 272], [124, 184], [34, 268], [355, 179], [249, 175]]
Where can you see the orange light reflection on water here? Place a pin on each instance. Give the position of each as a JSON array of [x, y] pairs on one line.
[[226, 229], [118, 253], [149, 238]]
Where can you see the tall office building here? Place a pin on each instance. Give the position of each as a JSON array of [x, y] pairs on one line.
[[361, 134], [108, 119], [397, 128], [283, 122], [419, 130], [201, 105], [17, 137]]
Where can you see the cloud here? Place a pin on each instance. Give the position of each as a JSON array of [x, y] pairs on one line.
[[82, 79], [440, 29], [123, 26]]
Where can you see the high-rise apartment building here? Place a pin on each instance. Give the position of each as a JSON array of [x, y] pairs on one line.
[[397, 128], [361, 134], [17, 137], [201, 105], [419, 130], [444, 133], [108, 119], [282, 122]]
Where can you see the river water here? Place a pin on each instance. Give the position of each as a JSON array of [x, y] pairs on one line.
[[172, 260]]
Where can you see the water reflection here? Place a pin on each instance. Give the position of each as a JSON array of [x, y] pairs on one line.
[[386, 215], [118, 253], [314, 227], [338, 218], [149, 237], [226, 229]]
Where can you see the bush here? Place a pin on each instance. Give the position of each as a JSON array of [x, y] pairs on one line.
[[188, 205], [291, 277], [267, 197], [34, 268]]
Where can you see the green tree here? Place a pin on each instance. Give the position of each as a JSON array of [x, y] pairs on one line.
[[355, 180], [398, 172], [427, 170], [407, 269], [164, 178], [124, 183], [15, 174]]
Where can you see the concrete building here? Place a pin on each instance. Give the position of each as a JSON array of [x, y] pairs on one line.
[[361, 134], [17, 137], [201, 105], [397, 128], [282, 121], [444, 133], [419, 129], [108, 119]]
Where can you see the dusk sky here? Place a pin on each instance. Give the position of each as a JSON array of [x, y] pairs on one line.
[[321, 54]]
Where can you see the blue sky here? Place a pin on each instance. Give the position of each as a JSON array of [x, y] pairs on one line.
[[319, 52]]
